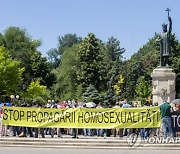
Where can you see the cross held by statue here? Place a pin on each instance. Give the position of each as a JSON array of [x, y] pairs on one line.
[[168, 10]]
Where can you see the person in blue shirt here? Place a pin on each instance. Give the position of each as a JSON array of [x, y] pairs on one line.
[[126, 104]]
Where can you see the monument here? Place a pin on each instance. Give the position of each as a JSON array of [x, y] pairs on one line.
[[163, 77]]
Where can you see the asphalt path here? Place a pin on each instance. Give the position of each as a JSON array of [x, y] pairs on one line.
[[20, 150]]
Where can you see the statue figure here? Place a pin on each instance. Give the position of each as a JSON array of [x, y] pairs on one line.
[[164, 41]]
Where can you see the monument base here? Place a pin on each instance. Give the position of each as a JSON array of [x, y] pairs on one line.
[[163, 81]]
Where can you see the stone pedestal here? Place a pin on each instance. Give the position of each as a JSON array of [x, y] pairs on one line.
[[163, 81]]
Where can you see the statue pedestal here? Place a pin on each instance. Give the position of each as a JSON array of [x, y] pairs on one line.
[[163, 81]]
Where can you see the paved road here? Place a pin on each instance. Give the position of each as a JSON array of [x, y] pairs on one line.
[[19, 150]]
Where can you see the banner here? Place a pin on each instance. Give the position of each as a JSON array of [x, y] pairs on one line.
[[82, 117], [175, 119]]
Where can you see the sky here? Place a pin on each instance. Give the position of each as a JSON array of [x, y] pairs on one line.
[[132, 22]]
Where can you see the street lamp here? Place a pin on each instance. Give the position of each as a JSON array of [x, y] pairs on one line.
[[14, 98], [50, 101], [17, 96]]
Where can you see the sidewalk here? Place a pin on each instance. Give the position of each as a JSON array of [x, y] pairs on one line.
[[82, 142]]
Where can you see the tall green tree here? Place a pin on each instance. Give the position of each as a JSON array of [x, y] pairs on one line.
[[10, 73], [37, 92], [66, 86], [111, 53], [143, 88], [22, 47], [112, 60], [89, 55], [141, 63], [175, 61], [114, 50], [40, 68], [53, 57], [91, 95], [66, 41], [145, 60], [110, 97]]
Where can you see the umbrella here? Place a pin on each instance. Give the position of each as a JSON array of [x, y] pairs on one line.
[[176, 101], [90, 104]]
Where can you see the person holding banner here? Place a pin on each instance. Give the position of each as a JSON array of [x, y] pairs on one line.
[[99, 131], [25, 130], [15, 129], [37, 130], [166, 111], [126, 131], [117, 130], [87, 132], [1, 119], [144, 132], [3, 127], [75, 130]]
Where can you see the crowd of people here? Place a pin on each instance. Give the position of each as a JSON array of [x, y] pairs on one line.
[[165, 108]]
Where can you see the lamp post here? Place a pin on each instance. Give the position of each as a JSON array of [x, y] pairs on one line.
[[17, 97], [14, 98], [50, 101]]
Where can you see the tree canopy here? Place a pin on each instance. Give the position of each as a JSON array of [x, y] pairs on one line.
[[10, 73], [79, 68]]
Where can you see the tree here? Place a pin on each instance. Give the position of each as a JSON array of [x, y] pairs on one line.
[[66, 41], [144, 61], [175, 61], [2, 40], [10, 73], [111, 53], [118, 86], [89, 55], [36, 91], [141, 63], [23, 48], [53, 57], [91, 95], [112, 63], [20, 45], [66, 86], [113, 49], [143, 88], [40, 68], [113, 75]]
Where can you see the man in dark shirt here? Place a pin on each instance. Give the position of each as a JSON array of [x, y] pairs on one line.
[[166, 110]]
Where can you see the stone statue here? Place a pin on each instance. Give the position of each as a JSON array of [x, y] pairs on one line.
[[164, 41]]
